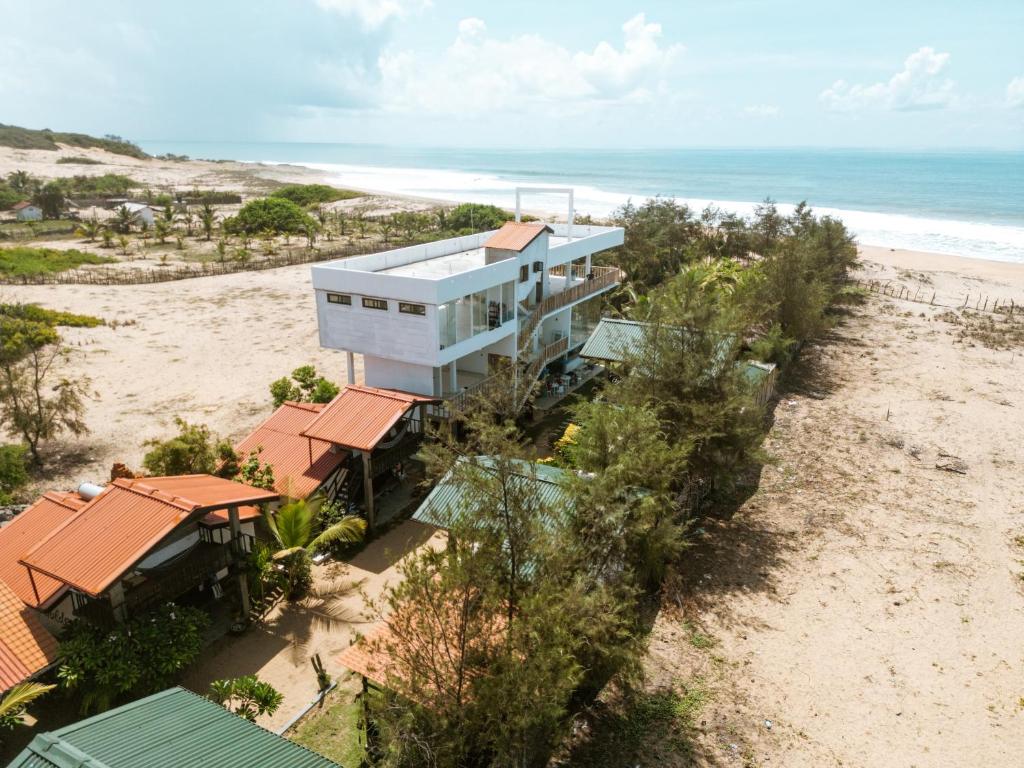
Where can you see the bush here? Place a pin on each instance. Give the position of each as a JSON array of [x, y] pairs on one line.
[[13, 471], [313, 194], [270, 214], [137, 657], [476, 217], [52, 317], [304, 386], [106, 185], [78, 160], [26, 261], [192, 451]]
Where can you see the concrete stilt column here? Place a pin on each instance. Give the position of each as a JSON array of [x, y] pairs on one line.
[[351, 362]]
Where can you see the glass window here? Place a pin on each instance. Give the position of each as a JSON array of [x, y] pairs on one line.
[[375, 303], [463, 318], [508, 299], [411, 309], [339, 298], [446, 324], [524, 273], [479, 312]]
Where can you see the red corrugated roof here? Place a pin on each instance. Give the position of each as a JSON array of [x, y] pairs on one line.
[[117, 528], [221, 516], [19, 206], [26, 647], [289, 453], [24, 532], [360, 417], [516, 235]]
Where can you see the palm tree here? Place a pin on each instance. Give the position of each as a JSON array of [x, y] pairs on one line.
[[124, 220], [386, 227], [162, 228], [20, 181], [207, 220], [188, 218], [90, 229], [12, 706], [246, 696], [293, 530]]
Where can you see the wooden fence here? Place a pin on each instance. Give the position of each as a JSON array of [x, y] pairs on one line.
[[143, 276], [980, 302]]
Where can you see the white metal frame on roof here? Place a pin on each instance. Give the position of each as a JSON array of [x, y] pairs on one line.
[[547, 191]]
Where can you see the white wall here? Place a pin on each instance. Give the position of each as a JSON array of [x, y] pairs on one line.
[[391, 374], [386, 334]]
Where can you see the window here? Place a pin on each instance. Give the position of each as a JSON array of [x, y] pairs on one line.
[[339, 298], [375, 304], [411, 309], [524, 273], [538, 266]]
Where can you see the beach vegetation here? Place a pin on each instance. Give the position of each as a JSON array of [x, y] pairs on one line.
[[102, 186], [296, 539], [194, 450], [275, 215], [134, 658], [304, 385], [311, 195], [475, 217], [13, 471], [28, 138], [50, 199], [78, 160], [247, 696]]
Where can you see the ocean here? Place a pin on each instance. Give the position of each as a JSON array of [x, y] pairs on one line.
[[967, 203]]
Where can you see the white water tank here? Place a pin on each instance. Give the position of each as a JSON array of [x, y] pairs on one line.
[[89, 491]]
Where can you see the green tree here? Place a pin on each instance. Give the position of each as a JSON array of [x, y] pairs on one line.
[[139, 656], [50, 198], [162, 228], [292, 527], [271, 214], [21, 181], [194, 450], [208, 220], [304, 386], [37, 403], [255, 473], [476, 217], [247, 696], [125, 219], [13, 471], [89, 229]]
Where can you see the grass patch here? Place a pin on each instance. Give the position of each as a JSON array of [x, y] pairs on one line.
[[313, 194], [51, 317], [28, 138], [78, 160], [650, 728], [334, 730], [996, 330], [21, 230], [24, 261], [698, 639]]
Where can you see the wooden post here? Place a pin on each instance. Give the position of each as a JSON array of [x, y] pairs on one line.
[[236, 544], [368, 491]]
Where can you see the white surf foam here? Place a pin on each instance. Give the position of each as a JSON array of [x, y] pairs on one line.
[[894, 230]]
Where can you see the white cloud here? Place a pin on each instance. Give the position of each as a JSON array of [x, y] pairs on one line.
[[762, 110], [1015, 93], [920, 85], [479, 72], [374, 13]]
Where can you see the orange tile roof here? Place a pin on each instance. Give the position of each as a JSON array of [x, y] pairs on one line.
[[221, 517], [360, 417], [24, 532], [301, 464], [115, 530], [26, 647], [516, 235]]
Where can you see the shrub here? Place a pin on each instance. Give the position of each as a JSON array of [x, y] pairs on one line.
[[313, 194], [26, 261], [476, 217], [192, 451], [246, 696], [52, 317], [137, 657], [106, 185], [13, 471], [78, 160], [305, 386], [270, 214]]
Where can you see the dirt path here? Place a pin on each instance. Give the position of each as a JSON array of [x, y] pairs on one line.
[[864, 608]]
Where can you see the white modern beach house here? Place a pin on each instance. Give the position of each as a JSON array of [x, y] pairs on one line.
[[438, 319]]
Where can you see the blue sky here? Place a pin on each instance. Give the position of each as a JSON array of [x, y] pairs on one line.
[[901, 73]]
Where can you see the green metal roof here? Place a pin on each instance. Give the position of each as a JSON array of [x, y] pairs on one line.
[[171, 729], [613, 340], [449, 500]]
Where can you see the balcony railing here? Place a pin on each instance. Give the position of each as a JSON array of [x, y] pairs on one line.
[[604, 277]]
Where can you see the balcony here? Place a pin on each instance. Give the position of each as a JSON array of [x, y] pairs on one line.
[[603, 279]]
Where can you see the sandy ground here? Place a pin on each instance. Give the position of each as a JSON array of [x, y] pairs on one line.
[[278, 650], [205, 349], [867, 608]]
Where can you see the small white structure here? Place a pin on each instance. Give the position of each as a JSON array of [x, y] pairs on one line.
[[437, 319], [143, 213], [28, 212]]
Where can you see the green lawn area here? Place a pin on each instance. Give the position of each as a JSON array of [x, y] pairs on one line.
[[334, 730], [24, 261]]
